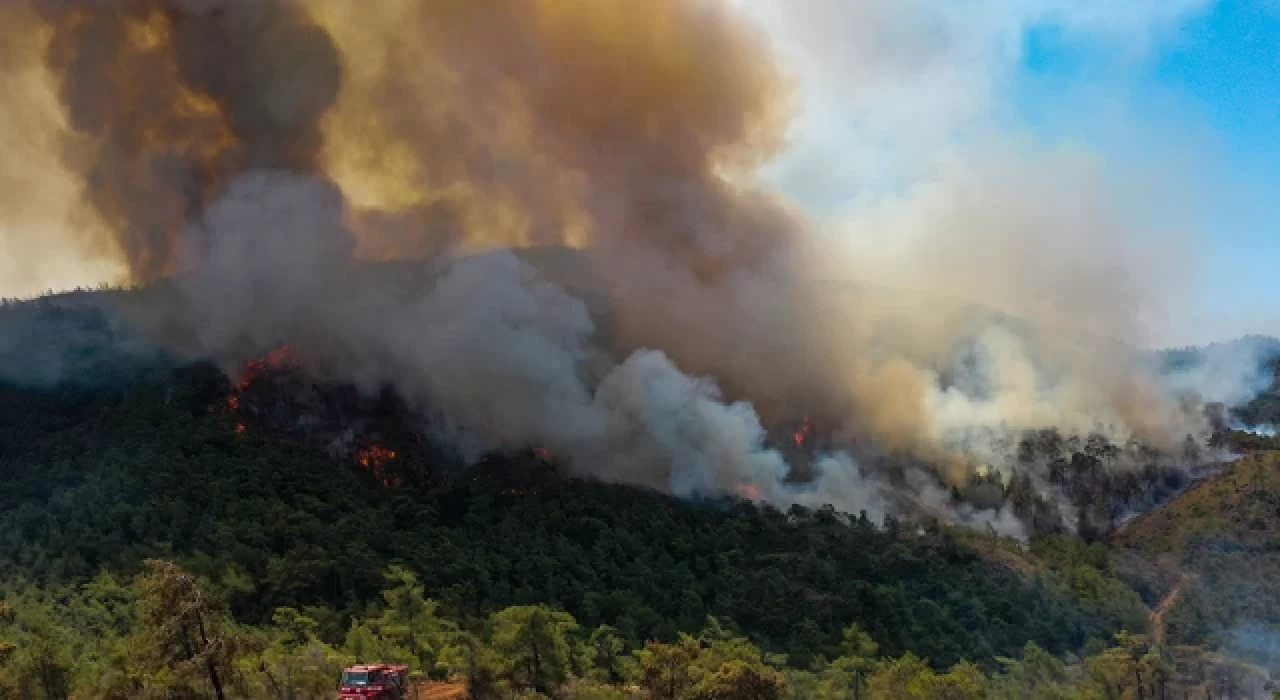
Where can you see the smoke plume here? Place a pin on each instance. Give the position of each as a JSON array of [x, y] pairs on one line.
[[664, 318], [478, 123]]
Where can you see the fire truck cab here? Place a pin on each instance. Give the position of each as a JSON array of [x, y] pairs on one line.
[[374, 682]]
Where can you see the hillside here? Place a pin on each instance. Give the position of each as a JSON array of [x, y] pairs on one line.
[[1221, 539], [299, 546], [106, 479]]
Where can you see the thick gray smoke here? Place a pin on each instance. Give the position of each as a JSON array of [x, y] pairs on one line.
[[502, 358]]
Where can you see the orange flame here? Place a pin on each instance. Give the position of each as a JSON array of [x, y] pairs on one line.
[[275, 360], [803, 433], [375, 457]]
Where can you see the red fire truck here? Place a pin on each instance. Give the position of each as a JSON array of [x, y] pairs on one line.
[[374, 682]]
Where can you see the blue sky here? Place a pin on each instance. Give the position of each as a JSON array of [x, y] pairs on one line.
[[1181, 97], [1215, 79]]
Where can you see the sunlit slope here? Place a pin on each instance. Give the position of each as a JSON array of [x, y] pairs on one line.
[[1223, 537]]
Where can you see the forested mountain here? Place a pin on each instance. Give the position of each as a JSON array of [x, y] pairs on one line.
[[320, 529]]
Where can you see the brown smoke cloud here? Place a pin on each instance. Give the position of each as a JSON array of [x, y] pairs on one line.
[[166, 101], [38, 194], [446, 124], [512, 123]]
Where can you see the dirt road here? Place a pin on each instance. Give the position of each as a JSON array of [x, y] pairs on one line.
[[433, 690], [1157, 615]]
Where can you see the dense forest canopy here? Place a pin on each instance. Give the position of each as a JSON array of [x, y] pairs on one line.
[[99, 479]]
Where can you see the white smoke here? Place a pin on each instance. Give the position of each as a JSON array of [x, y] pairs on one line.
[[1229, 373], [495, 345]]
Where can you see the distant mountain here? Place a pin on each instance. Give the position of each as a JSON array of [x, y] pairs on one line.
[[1261, 346]]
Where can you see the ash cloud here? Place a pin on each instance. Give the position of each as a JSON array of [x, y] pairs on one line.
[[262, 152]]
